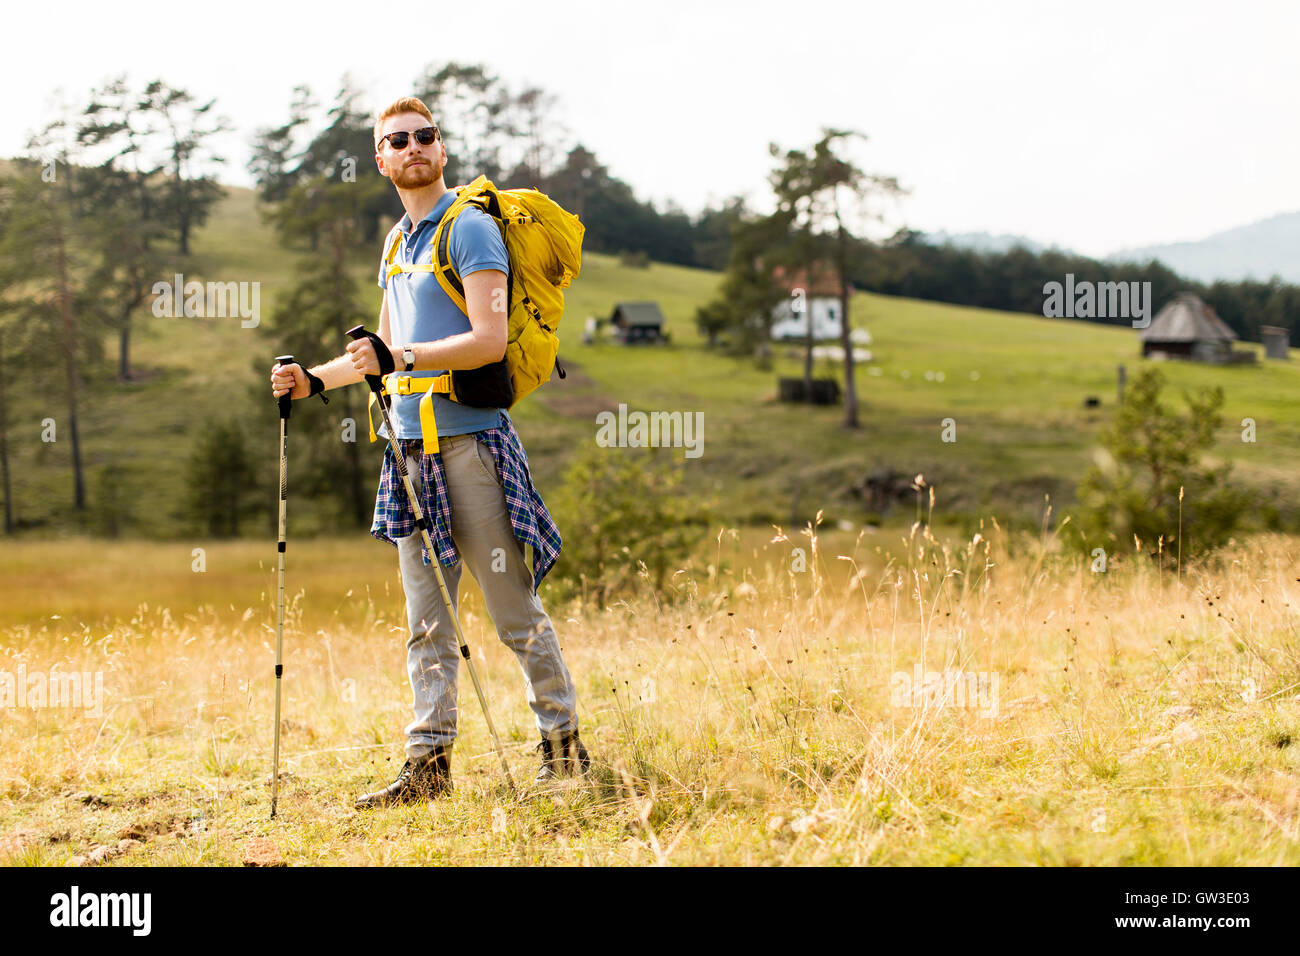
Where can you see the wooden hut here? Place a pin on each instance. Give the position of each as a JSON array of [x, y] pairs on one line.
[[1187, 328], [637, 323]]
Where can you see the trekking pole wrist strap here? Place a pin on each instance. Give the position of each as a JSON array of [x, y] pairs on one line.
[[317, 386]]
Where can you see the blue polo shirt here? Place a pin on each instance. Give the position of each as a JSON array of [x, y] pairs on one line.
[[420, 311]]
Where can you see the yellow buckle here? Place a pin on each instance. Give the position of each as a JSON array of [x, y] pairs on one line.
[[395, 384]]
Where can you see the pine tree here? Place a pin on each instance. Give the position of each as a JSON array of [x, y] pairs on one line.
[[185, 127], [221, 483], [56, 327], [819, 195], [125, 190]]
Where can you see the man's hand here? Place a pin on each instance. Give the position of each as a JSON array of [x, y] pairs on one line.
[[291, 379], [364, 359]]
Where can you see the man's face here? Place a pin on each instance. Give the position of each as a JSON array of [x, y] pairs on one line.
[[416, 166]]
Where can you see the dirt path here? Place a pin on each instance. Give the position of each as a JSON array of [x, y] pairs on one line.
[[577, 395]]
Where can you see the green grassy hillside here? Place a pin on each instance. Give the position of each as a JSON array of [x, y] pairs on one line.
[[1014, 384]]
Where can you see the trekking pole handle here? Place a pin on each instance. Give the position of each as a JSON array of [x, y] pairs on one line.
[[382, 354], [285, 400]]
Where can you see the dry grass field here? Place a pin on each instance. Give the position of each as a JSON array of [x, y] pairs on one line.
[[776, 711]]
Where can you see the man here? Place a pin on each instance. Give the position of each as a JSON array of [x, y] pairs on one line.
[[476, 488]]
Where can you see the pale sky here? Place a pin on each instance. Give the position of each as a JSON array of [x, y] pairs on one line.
[[1096, 126]]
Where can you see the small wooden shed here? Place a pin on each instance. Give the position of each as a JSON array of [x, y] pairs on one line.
[[1275, 341], [638, 323]]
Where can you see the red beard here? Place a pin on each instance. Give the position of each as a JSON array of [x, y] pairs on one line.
[[417, 176]]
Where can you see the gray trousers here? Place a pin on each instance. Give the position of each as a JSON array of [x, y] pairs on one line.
[[485, 541]]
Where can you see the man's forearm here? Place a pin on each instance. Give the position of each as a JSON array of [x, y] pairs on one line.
[[461, 351], [338, 372]]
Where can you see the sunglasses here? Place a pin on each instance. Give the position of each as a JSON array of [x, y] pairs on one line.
[[425, 137]]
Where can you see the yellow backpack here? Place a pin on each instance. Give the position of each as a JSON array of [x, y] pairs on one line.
[[544, 245]]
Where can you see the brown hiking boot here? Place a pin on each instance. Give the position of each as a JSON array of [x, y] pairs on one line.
[[562, 756], [424, 778]]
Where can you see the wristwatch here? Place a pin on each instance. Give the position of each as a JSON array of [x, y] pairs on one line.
[[408, 356]]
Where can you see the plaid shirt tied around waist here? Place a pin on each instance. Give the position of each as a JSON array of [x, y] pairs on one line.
[[532, 523]]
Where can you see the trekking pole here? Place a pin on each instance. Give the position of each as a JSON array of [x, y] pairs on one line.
[[286, 405], [376, 383]]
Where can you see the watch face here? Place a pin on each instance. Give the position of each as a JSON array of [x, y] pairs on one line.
[[408, 356]]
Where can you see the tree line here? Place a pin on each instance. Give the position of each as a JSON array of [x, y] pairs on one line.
[[1013, 281]]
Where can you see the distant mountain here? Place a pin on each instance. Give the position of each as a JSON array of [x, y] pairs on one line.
[[1260, 250], [985, 241]]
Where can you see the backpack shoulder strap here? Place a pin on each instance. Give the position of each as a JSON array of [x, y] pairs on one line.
[[482, 194], [391, 242]]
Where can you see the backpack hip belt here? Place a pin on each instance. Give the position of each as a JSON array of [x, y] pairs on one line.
[[395, 384]]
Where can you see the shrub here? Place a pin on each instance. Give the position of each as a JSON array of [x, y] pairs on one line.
[[1149, 465], [623, 515]]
